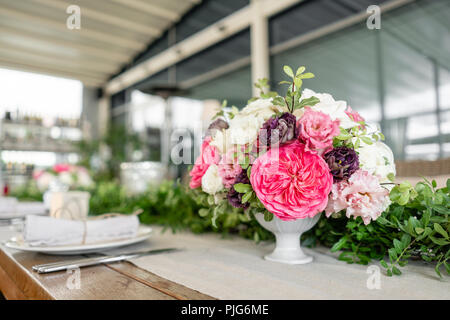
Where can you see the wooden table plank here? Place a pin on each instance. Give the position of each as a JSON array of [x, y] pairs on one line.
[[173, 289], [97, 282]]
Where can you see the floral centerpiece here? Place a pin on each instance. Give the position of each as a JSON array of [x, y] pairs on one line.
[[69, 177], [286, 159]]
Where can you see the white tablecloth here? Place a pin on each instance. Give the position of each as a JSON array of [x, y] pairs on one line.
[[233, 268]]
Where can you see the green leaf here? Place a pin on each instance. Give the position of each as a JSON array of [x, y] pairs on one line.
[[367, 140], [288, 71], [391, 177], [300, 70], [440, 230], [419, 230], [384, 264], [268, 216], [338, 245], [308, 102], [242, 187], [398, 246], [392, 254], [246, 197], [298, 82], [406, 240], [437, 271], [203, 212], [438, 241], [396, 271], [307, 75]]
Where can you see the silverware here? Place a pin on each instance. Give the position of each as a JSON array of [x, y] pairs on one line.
[[65, 265]]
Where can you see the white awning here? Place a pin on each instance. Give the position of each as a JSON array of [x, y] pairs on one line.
[[34, 35]]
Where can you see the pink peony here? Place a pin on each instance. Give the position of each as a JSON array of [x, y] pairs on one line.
[[362, 195], [317, 130], [208, 155], [229, 168], [291, 181], [354, 115]]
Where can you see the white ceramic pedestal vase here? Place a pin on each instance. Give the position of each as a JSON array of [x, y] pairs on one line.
[[287, 234]]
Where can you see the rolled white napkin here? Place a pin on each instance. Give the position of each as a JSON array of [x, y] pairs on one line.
[[8, 204], [47, 231]]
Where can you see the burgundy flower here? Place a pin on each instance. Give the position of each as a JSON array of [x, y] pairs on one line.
[[234, 197], [343, 162], [216, 125], [278, 130]]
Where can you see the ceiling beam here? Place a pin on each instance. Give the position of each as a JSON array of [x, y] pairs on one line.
[[35, 36], [105, 18], [64, 59], [83, 32], [88, 81], [62, 65], [150, 8], [203, 39]]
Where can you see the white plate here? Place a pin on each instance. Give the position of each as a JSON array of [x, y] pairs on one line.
[[143, 234], [22, 209]]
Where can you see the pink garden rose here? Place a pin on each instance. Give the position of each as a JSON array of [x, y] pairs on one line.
[[229, 168], [317, 130], [208, 155], [361, 196], [291, 181]]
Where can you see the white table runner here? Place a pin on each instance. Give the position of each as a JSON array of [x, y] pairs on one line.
[[233, 268]]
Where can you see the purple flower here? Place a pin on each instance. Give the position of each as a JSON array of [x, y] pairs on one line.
[[216, 125], [234, 197], [343, 162], [278, 130]]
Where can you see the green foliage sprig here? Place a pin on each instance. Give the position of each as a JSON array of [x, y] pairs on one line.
[[415, 227]]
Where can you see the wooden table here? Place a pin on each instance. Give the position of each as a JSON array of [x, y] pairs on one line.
[[115, 281]]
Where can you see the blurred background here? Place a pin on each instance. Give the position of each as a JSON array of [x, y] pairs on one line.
[[104, 84]]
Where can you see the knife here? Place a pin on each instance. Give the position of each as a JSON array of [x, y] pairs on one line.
[[58, 266]]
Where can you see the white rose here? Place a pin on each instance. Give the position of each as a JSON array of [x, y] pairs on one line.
[[378, 159], [327, 105], [43, 182], [244, 127], [66, 178], [261, 108], [221, 141], [211, 181]]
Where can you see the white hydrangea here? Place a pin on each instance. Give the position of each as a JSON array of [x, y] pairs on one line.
[[327, 105], [211, 181], [244, 127], [378, 159]]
